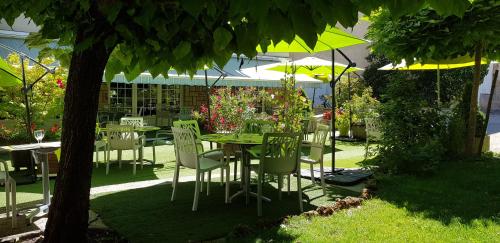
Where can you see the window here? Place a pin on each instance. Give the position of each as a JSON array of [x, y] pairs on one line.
[[120, 98], [171, 97], [146, 99]]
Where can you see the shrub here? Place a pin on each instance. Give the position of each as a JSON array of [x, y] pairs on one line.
[[413, 129]]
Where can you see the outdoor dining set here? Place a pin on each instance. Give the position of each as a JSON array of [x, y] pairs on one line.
[[254, 148], [274, 153]]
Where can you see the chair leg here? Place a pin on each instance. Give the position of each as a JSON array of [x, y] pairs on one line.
[[280, 186], [107, 162], [13, 203], [227, 183], [235, 166], [175, 181], [313, 180], [141, 158], [202, 181], [154, 153], [119, 159], [259, 193], [7, 196], [288, 182], [299, 190], [196, 191], [322, 176], [221, 176], [208, 182], [134, 163], [96, 157]]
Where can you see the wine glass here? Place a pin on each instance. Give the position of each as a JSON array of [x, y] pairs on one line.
[[39, 134]]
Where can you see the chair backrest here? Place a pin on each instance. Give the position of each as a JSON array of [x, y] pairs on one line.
[[191, 125], [185, 147], [318, 142], [132, 121], [313, 123], [4, 171], [258, 126], [373, 130], [121, 136], [279, 153]]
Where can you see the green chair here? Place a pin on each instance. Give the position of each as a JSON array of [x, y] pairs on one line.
[[10, 193], [279, 156], [192, 125], [187, 155], [316, 154], [373, 132]]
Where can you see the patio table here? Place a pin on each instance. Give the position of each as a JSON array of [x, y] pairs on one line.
[[45, 170], [245, 141]]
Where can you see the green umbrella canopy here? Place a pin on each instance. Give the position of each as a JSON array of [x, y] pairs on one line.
[[331, 38], [7, 75], [313, 67]]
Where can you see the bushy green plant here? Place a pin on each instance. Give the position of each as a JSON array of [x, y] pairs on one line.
[[363, 106], [413, 129]]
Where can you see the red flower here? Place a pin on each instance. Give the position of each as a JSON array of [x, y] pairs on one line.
[[60, 83], [54, 128], [222, 120]]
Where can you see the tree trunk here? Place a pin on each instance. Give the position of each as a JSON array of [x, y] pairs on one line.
[[471, 124], [68, 214]]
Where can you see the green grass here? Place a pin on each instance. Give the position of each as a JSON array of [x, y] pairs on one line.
[[459, 204], [348, 154]]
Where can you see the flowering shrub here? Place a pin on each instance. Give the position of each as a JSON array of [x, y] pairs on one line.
[[46, 96], [229, 109], [291, 106]]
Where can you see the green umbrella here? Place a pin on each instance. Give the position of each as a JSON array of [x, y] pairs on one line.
[[7, 75], [314, 67], [459, 62], [332, 38]]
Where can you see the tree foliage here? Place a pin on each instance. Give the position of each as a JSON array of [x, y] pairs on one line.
[[186, 35], [426, 35]]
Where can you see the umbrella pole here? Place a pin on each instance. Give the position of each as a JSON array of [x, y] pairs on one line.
[[332, 84], [349, 99], [314, 95], [26, 101]]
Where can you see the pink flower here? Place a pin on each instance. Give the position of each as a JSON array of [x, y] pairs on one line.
[[203, 109], [222, 120]]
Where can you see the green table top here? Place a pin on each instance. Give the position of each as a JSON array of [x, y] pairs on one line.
[[244, 138]]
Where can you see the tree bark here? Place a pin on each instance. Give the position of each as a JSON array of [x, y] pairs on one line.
[[68, 214], [470, 142]]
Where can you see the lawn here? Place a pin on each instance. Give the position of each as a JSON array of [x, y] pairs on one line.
[[348, 154], [459, 204]]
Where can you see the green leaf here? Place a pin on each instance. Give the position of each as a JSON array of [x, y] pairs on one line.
[[450, 7], [222, 37], [193, 7], [182, 50], [303, 25], [345, 12], [401, 7]]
